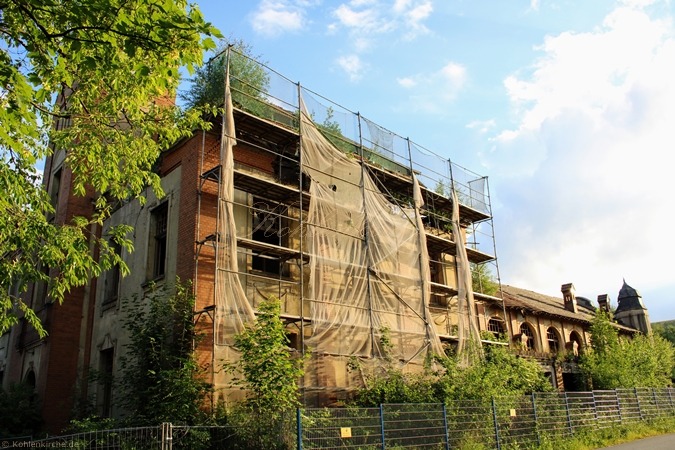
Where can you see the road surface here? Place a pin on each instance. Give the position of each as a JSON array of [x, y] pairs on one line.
[[662, 442]]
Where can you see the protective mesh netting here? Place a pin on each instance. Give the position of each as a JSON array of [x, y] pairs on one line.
[[233, 309], [369, 266]]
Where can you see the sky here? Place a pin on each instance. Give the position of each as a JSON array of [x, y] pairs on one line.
[[567, 106]]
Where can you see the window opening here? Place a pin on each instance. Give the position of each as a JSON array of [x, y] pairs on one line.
[[112, 281], [41, 290], [106, 369], [267, 227], [553, 342], [496, 327], [55, 189], [159, 222], [527, 331]]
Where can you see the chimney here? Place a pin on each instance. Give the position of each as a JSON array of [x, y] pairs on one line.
[[569, 297], [603, 301]]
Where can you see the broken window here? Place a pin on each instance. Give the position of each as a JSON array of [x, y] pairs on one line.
[[496, 327], [526, 330], [553, 341]]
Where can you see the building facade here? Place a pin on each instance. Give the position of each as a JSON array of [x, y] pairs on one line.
[[358, 231]]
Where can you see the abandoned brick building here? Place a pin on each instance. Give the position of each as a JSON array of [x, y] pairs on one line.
[[354, 228]]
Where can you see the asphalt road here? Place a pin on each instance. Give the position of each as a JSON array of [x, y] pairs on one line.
[[663, 442]]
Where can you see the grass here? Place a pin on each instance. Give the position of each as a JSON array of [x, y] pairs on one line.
[[592, 439]]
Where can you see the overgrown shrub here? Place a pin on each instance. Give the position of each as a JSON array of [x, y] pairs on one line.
[[19, 411], [494, 372], [617, 362], [269, 373], [161, 379]]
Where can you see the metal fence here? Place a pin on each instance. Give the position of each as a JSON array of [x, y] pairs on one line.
[[163, 437], [500, 423], [503, 422]]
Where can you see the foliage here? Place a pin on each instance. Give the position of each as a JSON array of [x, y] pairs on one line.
[[389, 383], [498, 372], [333, 133], [269, 374], [248, 79], [592, 438], [161, 379], [19, 411], [88, 80], [617, 362], [665, 330], [482, 279], [89, 423]]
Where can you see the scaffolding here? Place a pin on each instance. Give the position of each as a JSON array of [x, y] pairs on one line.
[[350, 225]]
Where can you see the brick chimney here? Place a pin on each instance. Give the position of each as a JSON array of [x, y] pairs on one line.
[[569, 297], [603, 301]]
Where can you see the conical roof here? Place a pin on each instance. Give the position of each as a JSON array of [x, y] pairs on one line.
[[629, 298]]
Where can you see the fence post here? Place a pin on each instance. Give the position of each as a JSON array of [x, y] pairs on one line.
[[637, 399], [299, 416], [494, 417], [656, 402], [445, 422], [595, 409], [384, 444], [618, 405], [167, 437], [536, 422], [569, 417]]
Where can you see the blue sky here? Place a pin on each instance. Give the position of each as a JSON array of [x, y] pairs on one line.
[[567, 106]]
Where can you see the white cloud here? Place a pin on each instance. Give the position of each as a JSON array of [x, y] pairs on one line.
[[276, 17], [352, 65], [483, 126], [455, 74], [407, 82], [584, 177], [356, 19], [367, 19], [534, 5], [639, 3], [434, 91]]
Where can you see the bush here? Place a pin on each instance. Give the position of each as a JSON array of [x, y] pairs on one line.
[[494, 372], [616, 362], [269, 372], [19, 411], [161, 379]]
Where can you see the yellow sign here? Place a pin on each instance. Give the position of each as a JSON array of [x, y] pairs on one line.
[[513, 413], [345, 432]]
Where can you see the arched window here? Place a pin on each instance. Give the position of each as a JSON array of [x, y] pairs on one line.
[[526, 330], [553, 340], [575, 340], [496, 326], [30, 379]]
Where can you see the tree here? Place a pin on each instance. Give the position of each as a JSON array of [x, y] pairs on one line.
[[269, 373], [248, 79], [161, 379], [91, 79], [665, 330], [617, 362], [482, 279]]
